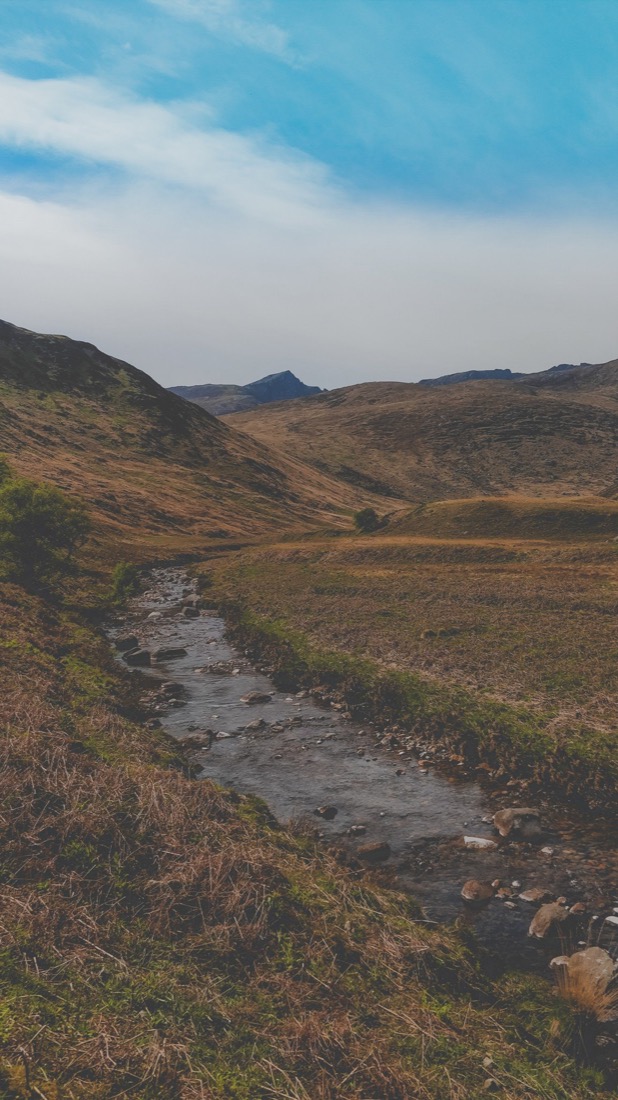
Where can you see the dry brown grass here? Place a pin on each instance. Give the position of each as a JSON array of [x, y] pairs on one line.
[[163, 938], [538, 438]]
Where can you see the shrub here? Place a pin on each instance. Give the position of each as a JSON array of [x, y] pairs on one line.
[[125, 581], [367, 520], [40, 530]]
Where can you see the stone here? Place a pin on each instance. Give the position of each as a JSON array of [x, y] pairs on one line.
[[257, 724], [198, 740], [327, 812], [154, 615], [519, 819], [589, 971], [546, 919], [479, 843], [127, 643], [192, 600], [378, 852], [536, 894], [191, 612], [253, 697], [358, 830], [169, 653], [138, 657], [170, 687], [477, 892]]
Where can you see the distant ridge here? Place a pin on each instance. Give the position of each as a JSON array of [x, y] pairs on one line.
[[472, 376], [221, 399]]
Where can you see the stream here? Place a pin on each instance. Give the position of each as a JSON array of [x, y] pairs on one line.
[[299, 756]]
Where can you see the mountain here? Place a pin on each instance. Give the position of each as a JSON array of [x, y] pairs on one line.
[[220, 399], [471, 376], [499, 374], [544, 435], [156, 471]]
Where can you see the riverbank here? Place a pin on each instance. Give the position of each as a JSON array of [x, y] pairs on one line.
[[431, 636], [164, 938]]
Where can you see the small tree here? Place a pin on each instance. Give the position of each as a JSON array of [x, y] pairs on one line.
[[367, 520], [125, 581], [40, 530]]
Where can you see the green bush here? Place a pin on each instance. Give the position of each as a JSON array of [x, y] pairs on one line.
[[125, 581], [40, 530], [367, 520]]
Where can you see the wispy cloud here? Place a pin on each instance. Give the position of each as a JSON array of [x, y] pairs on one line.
[[233, 20], [85, 119]]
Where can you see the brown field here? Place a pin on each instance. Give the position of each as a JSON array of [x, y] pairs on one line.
[[529, 623]]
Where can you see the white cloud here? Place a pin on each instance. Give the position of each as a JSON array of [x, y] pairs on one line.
[[82, 117], [233, 20], [217, 258]]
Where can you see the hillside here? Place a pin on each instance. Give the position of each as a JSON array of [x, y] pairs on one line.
[[220, 399], [157, 472], [551, 434]]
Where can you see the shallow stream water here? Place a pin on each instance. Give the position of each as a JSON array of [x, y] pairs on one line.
[[307, 756]]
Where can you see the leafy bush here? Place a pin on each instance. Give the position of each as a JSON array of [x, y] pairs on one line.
[[367, 520], [125, 581], [40, 530]]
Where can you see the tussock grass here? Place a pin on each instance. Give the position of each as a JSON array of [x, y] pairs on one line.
[[163, 938]]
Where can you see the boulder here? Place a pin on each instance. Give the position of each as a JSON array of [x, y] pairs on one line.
[[378, 852], [191, 612], [168, 653], [191, 600], [586, 976], [547, 919], [253, 697], [199, 740], [477, 892], [138, 657], [123, 645], [327, 812], [519, 819], [171, 688]]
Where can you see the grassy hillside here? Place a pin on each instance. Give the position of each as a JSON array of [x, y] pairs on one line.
[[546, 435], [159, 474]]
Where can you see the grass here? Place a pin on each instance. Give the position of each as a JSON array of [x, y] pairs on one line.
[[164, 938], [507, 646]]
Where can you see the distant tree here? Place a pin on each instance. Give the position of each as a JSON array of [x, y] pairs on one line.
[[40, 530], [366, 520]]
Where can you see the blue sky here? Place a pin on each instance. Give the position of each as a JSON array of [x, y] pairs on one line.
[[219, 188]]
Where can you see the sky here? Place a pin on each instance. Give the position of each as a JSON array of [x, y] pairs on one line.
[[353, 190]]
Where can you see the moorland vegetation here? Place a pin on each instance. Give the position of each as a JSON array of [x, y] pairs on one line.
[[161, 937]]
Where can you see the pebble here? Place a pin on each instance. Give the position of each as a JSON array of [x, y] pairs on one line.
[[479, 843]]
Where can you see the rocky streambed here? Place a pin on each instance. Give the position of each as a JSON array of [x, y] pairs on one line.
[[427, 826]]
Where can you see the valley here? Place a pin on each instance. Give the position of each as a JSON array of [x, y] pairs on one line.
[[177, 920]]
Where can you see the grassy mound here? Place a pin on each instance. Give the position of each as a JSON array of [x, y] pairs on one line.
[[511, 517]]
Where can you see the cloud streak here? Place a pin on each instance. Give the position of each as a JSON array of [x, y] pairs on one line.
[[81, 117], [229, 19]]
